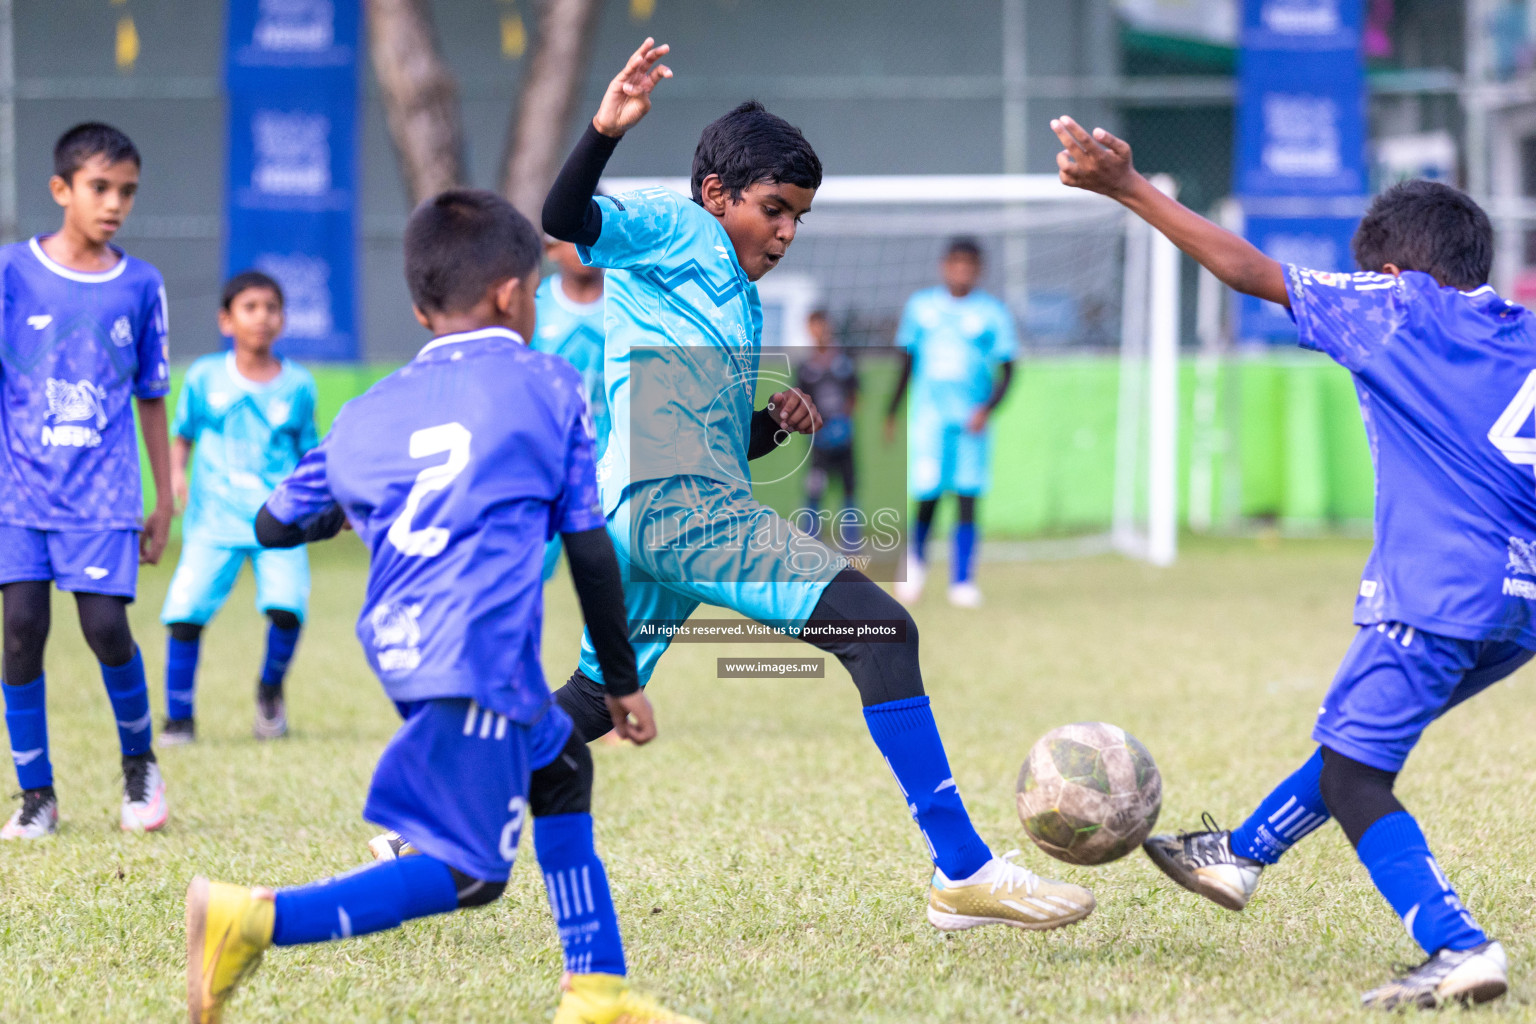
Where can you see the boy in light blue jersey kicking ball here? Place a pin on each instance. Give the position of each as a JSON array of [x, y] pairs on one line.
[[1447, 602], [245, 417]]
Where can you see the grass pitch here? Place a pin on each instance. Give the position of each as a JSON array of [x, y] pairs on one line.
[[764, 866]]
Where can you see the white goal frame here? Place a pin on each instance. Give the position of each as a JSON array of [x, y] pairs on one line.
[[1147, 414]]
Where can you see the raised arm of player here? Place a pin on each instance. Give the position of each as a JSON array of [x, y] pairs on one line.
[[1099, 162], [569, 212]]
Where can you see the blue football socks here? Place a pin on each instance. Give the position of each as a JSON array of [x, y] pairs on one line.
[[578, 894], [1292, 810], [26, 720], [130, 703], [965, 553], [1396, 854], [907, 735], [369, 899], [280, 645], [180, 677]]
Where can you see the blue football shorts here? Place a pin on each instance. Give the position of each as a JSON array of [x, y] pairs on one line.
[[454, 781], [206, 573], [83, 561], [1395, 680], [944, 457], [689, 540]]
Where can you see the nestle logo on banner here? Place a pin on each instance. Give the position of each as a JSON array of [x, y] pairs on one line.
[[306, 282], [293, 153], [1301, 17], [295, 26], [1301, 135]]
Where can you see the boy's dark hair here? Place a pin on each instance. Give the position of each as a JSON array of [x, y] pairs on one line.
[[246, 280], [750, 145], [460, 243], [1427, 226], [963, 245], [84, 141]]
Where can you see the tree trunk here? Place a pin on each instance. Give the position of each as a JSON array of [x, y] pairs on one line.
[[551, 87], [421, 98]]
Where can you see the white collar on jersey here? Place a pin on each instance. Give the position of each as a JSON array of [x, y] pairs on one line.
[[245, 383], [79, 275], [570, 305], [462, 336]]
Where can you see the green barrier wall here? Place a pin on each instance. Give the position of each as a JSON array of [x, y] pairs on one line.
[[1287, 443]]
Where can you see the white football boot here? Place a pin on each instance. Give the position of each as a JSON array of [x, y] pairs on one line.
[[1203, 863], [910, 590], [144, 807], [391, 846], [1003, 892], [965, 595], [1462, 976], [38, 816]]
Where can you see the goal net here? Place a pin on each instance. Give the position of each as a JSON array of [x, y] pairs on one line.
[[1083, 455]]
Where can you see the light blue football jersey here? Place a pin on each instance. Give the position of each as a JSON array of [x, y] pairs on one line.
[[455, 470], [1447, 388], [956, 345], [247, 437], [574, 332], [77, 348], [684, 334]]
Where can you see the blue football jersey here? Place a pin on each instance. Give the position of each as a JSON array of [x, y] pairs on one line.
[[247, 436], [684, 334], [955, 344], [76, 349], [455, 470], [1447, 388], [574, 332]]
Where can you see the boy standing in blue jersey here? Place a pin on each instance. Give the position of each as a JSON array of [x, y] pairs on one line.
[[84, 332], [1447, 602], [454, 471], [570, 307], [684, 334], [958, 342], [244, 418]]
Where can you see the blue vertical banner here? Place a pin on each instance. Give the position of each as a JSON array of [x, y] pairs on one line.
[[292, 188], [1301, 135]]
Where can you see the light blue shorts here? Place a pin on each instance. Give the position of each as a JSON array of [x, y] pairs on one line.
[[946, 457], [82, 561], [688, 540], [207, 572]]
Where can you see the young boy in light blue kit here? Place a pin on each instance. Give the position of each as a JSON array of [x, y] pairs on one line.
[[245, 417]]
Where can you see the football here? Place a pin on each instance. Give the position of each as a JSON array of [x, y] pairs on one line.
[[1089, 793]]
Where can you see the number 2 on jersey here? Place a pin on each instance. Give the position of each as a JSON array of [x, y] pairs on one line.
[[429, 541]]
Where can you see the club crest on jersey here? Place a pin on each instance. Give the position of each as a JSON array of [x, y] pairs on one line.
[[122, 332], [396, 637], [72, 410]]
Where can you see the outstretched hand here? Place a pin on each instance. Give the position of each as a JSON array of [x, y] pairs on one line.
[[1095, 161], [628, 97]]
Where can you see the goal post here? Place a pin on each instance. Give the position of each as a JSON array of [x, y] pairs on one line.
[[1086, 282]]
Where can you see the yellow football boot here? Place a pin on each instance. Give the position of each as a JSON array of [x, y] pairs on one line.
[[1003, 892], [228, 928], [608, 999]]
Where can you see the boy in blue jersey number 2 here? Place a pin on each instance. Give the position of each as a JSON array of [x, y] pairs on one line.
[[684, 335], [84, 332], [1446, 375], [454, 471], [244, 417]]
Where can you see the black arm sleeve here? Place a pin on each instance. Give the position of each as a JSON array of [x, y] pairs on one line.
[[272, 532], [599, 588], [764, 429], [569, 212], [1001, 387], [901, 385]]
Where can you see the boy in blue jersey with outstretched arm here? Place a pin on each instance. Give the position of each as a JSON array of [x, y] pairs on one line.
[[454, 471], [84, 338], [244, 418], [684, 335], [958, 345], [1446, 374], [570, 307]]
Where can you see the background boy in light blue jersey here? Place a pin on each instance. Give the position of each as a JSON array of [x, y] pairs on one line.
[[684, 332], [570, 306], [959, 345], [245, 417], [1446, 375]]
